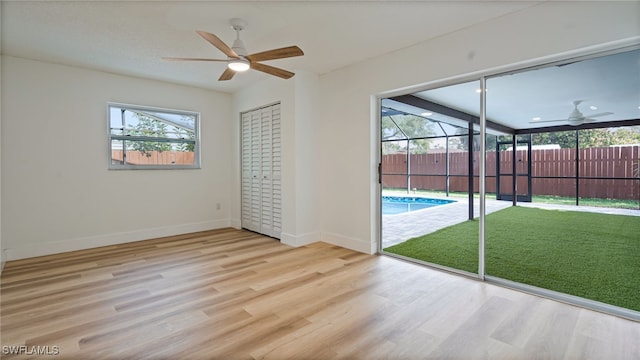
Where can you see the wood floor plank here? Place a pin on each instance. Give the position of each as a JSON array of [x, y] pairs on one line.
[[234, 294], [524, 315], [472, 338], [545, 341]]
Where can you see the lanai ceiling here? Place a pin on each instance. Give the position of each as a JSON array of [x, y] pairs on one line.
[[605, 89]]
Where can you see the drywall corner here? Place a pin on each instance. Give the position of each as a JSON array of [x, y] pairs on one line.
[[361, 245], [299, 240]]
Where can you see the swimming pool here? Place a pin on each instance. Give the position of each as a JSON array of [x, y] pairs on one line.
[[401, 204]]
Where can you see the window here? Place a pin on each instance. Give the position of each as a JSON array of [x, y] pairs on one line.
[[150, 138]]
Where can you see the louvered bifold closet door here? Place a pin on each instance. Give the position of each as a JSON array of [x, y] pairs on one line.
[[261, 169], [266, 184], [246, 172], [276, 168], [256, 175]]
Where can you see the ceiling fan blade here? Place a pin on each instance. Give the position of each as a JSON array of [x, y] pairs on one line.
[[215, 41], [271, 70], [600, 114], [226, 75], [281, 53], [191, 59]]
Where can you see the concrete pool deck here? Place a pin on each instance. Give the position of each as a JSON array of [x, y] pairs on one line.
[[399, 228]]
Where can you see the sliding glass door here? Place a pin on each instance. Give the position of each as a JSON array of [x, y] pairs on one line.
[[574, 131], [429, 177], [560, 214]]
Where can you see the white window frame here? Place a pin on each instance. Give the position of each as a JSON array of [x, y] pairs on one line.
[[113, 165]]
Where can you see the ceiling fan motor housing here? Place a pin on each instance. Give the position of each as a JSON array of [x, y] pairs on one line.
[[576, 117], [238, 45], [239, 48]]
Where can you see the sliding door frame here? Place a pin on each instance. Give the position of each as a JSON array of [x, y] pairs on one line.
[[483, 76]]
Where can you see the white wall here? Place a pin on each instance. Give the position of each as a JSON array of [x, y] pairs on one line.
[[57, 194], [298, 98], [347, 127], [306, 158], [2, 247]]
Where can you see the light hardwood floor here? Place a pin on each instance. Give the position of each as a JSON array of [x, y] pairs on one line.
[[231, 294]]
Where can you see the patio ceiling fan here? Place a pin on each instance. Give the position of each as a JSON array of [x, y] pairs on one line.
[[239, 60], [576, 117]]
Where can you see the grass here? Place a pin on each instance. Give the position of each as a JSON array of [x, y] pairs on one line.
[[595, 256], [597, 202]]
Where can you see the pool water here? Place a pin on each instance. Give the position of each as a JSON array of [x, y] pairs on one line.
[[401, 204]]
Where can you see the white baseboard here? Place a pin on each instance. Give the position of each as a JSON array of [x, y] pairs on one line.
[[360, 245], [23, 251], [299, 240], [235, 223]]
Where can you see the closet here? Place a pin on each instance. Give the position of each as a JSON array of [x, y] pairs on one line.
[[261, 171]]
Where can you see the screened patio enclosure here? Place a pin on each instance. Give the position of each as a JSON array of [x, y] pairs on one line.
[[429, 151], [424, 151], [569, 130], [563, 137]]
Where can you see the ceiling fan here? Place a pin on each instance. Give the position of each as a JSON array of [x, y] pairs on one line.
[[576, 117], [239, 60]]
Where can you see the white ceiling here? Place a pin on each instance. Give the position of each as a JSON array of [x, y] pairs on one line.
[[130, 37]]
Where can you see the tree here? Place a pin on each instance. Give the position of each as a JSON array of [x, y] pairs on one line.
[[148, 127], [407, 126], [389, 129], [590, 137], [626, 135], [462, 142], [419, 146], [184, 134], [566, 139]]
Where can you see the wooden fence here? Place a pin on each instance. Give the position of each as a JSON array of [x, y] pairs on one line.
[[155, 157], [608, 173]]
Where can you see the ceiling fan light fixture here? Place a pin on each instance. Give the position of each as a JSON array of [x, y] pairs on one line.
[[239, 64]]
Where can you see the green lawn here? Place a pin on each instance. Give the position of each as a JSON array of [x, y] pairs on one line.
[[596, 256]]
